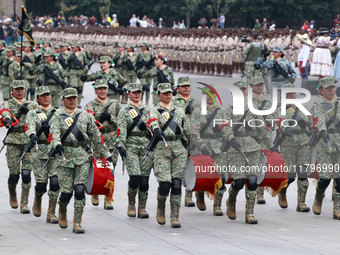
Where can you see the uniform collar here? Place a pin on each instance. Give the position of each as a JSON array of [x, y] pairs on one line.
[[185, 98], [259, 97], [166, 106], [19, 101], [102, 102], [46, 109], [137, 105]]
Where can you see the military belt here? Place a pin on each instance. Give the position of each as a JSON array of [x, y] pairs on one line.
[[211, 136], [244, 134], [299, 132], [74, 144], [333, 131], [173, 138], [105, 130], [140, 134], [43, 142], [76, 68], [18, 129]]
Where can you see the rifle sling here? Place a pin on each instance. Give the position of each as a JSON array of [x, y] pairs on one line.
[[47, 120], [137, 121], [209, 120], [73, 128]]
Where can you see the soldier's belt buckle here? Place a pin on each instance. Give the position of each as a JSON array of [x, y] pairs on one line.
[[166, 115], [290, 110], [133, 113], [330, 113], [42, 116], [69, 121]]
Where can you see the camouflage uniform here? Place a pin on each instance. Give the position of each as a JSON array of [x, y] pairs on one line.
[[251, 150], [31, 76], [209, 142], [14, 70], [323, 110], [5, 80], [135, 144], [118, 60], [35, 120], [73, 172], [54, 87], [16, 142], [170, 163], [112, 75], [109, 130], [188, 106]]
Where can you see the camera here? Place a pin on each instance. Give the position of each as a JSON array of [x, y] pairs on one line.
[[245, 39]]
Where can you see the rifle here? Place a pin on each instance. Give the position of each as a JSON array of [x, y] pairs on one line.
[[224, 148], [76, 61], [161, 77], [7, 66], [279, 70], [51, 75], [51, 154], [90, 64], [62, 62], [16, 121], [118, 90], [28, 148], [27, 59], [129, 64], [153, 141], [115, 60], [38, 59]]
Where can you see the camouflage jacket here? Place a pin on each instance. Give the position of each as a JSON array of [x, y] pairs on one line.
[[58, 70], [173, 139], [168, 74], [284, 63], [138, 139], [74, 153], [323, 116], [34, 120], [109, 129], [181, 102], [132, 58], [17, 135], [74, 68], [112, 75], [14, 72], [33, 68], [146, 57], [245, 133], [118, 63], [6, 62]]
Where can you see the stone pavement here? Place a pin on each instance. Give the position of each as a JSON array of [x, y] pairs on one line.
[[280, 231]]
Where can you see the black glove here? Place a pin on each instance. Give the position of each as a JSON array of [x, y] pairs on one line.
[[288, 132], [122, 152], [174, 92], [235, 144], [83, 78], [60, 149], [63, 85], [7, 122], [112, 83], [205, 151], [266, 55], [139, 75], [105, 116], [109, 159], [325, 136], [39, 83], [159, 133], [30, 72], [257, 66], [45, 125], [188, 109], [22, 63], [291, 80], [99, 77], [146, 88], [34, 139], [24, 109], [275, 149]]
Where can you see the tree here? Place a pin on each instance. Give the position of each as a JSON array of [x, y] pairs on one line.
[[190, 8], [222, 7], [104, 7]]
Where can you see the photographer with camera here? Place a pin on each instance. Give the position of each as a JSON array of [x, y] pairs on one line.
[[252, 52]]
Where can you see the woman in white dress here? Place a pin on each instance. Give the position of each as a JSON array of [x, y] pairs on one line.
[[322, 62]]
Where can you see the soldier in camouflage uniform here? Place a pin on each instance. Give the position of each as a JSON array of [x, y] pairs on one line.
[[261, 103], [170, 162], [326, 109], [188, 104], [132, 143], [105, 110], [129, 62], [16, 141], [118, 58], [38, 124], [14, 70], [5, 81], [208, 140], [3, 54], [243, 139], [55, 88], [76, 70], [160, 62], [74, 168], [142, 67], [252, 52], [117, 81], [85, 51], [277, 79], [293, 151], [31, 76]]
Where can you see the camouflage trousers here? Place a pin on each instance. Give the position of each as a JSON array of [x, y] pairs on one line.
[[56, 94], [133, 161], [31, 87], [69, 177], [250, 71], [114, 96], [168, 166], [146, 81], [278, 85], [131, 76], [239, 168], [76, 83], [328, 162], [295, 156], [6, 91], [13, 154]]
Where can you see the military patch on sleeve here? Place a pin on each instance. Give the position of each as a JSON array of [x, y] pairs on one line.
[[69, 121], [330, 113], [42, 116], [133, 113], [291, 110], [166, 115]]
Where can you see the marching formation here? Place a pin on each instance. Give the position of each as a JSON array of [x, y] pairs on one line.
[[61, 145]]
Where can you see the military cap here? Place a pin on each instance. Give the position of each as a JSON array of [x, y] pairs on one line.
[[70, 92], [37, 41], [49, 52], [64, 44], [76, 44], [289, 85], [43, 90], [164, 87], [10, 48], [18, 84], [205, 88], [278, 49], [183, 81], [158, 56], [81, 42], [128, 46], [240, 84], [327, 81], [2, 42], [256, 80], [18, 53], [17, 45], [133, 87], [121, 44], [104, 59], [101, 83], [69, 42], [47, 41], [144, 44], [57, 46]]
